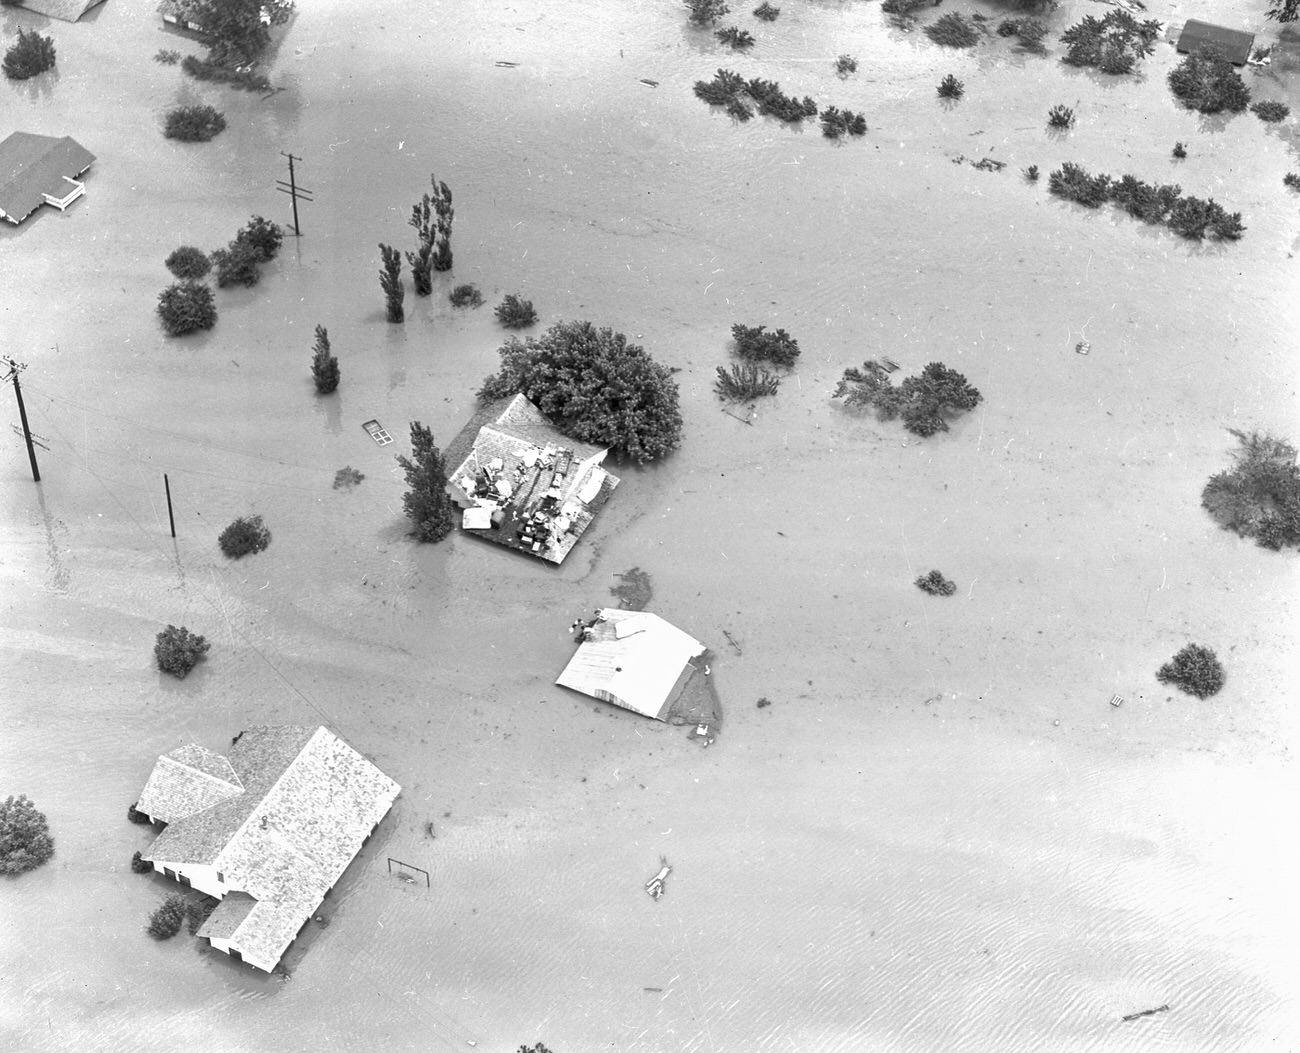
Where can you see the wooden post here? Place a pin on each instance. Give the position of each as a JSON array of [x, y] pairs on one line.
[[170, 518], [14, 369]]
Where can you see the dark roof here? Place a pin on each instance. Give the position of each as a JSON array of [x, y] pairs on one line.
[[1234, 44], [65, 10], [34, 165]]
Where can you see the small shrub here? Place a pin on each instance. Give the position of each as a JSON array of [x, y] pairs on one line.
[[773, 102], [904, 11], [705, 12], [166, 921], [1271, 111], [25, 841], [936, 584], [245, 535], [324, 366], [188, 262], [953, 31], [1031, 173], [194, 124], [346, 478], [136, 816], [237, 264], [1074, 183], [757, 345], [846, 64], [209, 70], [167, 57], [262, 236], [31, 55], [736, 39], [186, 307], [196, 913], [514, 313], [951, 88], [140, 865], [466, 296], [1180, 150], [1291, 181], [765, 12], [1029, 32], [1060, 116], [1206, 81], [745, 383], [177, 650], [1195, 670], [837, 122]]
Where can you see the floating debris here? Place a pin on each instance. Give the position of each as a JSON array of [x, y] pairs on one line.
[[1082, 347], [1117, 700], [1147, 1012], [653, 84], [732, 640], [507, 65], [655, 886]]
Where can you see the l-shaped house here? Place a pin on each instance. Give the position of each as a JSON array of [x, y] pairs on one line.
[[38, 170], [268, 829], [521, 483]]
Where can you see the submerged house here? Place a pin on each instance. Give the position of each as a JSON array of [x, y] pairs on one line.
[[635, 660], [519, 482], [1233, 44], [268, 829], [64, 10], [38, 170]]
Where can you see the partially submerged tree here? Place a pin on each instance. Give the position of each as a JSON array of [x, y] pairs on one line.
[[704, 12], [935, 584], [514, 313], [431, 217], [262, 236], [427, 504], [186, 307], [756, 344], [594, 386], [245, 535], [1206, 81], [466, 295], [1112, 44], [25, 841], [324, 366], [239, 263], [30, 55], [188, 262], [390, 280], [745, 383], [1284, 10], [1194, 669], [925, 402], [1259, 496], [166, 921], [194, 124], [235, 31], [177, 650]]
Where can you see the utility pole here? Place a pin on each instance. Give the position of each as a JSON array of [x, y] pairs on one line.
[[294, 191], [14, 369], [170, 518]]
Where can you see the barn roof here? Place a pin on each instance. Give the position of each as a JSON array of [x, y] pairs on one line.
[[32, 166], [1234, 44], [633, 659], [308, 803]]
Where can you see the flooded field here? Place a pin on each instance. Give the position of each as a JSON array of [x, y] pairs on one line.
[[939, 835]]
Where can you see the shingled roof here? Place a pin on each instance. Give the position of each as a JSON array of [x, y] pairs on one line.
[[187, 780], [32, 166], [308, 803], [509, 422]]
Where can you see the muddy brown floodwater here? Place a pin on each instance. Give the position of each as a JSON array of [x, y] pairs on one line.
[[939, 834]]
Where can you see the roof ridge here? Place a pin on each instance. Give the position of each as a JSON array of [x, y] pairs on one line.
[[208, 775]]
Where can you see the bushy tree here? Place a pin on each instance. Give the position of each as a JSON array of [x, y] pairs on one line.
[[431, 217], [245, 535], [1259, 496], [262, 236], [1194, 669], [1284, 10], [188, 262], [140, 865], [186, 307], [166, 921], [1112, 44], [236, 31], [594, 386], [239, 263], [194, 124], [1208, 82], [390, 280], [25, 841], [514, 313], [1271, 111], [32, 54], [704, 12], [953, 31], [324, 366], [755, 344], [428, 506], [177, 651], [924, 402]]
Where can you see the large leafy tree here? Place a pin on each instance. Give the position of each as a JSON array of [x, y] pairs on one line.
[[1284, 10], [427, 504], [594, 386], [236, 31], [924, 402], [25, 841]]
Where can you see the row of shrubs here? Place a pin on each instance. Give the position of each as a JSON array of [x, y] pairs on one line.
[[1188, 216]]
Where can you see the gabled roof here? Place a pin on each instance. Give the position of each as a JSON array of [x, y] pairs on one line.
[[65, 10], [187, 780], [506, 425], [309, 802], [633, 659], [32, 166], [1234, 44]]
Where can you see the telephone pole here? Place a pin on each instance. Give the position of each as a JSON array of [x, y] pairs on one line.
[[14, 369], [294, 191]]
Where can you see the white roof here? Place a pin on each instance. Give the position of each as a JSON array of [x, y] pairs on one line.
[[477, 518], [633, 659]]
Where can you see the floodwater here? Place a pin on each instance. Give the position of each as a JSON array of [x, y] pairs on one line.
[[939, 835]]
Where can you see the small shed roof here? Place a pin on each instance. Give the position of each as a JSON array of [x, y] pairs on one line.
[[1233, 44], [633, 659], [32, 166]]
